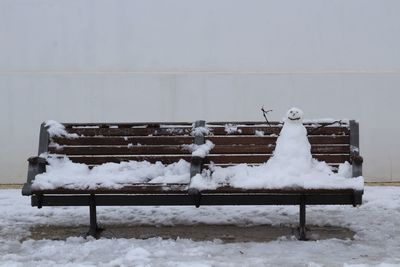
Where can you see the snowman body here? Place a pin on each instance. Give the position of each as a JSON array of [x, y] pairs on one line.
[[293, 150]]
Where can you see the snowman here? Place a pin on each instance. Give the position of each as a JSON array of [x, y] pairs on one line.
[[292, 153]]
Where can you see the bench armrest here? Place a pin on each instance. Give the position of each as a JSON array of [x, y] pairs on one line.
[[356, 159], [37, 160], [36, 166]]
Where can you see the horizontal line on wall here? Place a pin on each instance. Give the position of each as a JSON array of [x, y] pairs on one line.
[[184, 72]]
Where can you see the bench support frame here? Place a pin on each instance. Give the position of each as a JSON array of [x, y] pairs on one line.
[[302, 226], [94, 229], [37, 165], [301, 199]]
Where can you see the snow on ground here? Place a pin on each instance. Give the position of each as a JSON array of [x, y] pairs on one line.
[[376, 223]]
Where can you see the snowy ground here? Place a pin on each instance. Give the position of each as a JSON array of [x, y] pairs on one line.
[[376, 243]]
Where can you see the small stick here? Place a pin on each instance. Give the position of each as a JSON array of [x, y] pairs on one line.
[[265, 114]]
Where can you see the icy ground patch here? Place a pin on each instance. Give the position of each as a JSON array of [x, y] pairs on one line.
[[376, 222]]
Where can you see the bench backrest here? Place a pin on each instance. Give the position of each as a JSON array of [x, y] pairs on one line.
[[235, 142], [254, 143], [116, 142]]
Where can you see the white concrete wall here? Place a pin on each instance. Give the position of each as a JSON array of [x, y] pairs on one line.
[[185, 60]]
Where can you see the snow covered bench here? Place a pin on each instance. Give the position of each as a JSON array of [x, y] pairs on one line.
[[158, 164]]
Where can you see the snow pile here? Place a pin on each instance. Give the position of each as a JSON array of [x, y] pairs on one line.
[[62, 172], [200, 150], [232, 129], [56, 145], [259, 133], [291, 166], [56, 129], [345, 170], [319, 176]]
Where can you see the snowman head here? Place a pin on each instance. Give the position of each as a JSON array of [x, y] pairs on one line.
[[294, 115]]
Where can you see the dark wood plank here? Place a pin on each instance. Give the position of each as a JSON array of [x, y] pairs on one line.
[[170, 131], [334, 166], [180, 140], [247, 130], [245, 123], [120, 150], [315, 123], [215, 124], [326, 149], [143, 140], [125, 124], [97, 160], [235, 159], [182, 189], [268, 140], [131, 131], [162, 150], [253, 149]]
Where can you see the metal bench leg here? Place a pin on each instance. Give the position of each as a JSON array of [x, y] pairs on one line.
[[302, 228], [94, 229]]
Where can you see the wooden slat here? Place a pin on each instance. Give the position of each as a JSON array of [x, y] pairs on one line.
[[160, 124], [162, 150], [242, 130], [223, 165], [97, 160], [313, 123], [131, 131], [180, 140], [244, 123], [253, 149], [182, 189], [124, 124], [119, 150], [218, 159], [235, 159], [143, 140], [246, 130], [325, 149], [267, 140], [332, 165]]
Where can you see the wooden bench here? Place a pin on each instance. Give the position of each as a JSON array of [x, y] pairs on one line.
[[235, 143]]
